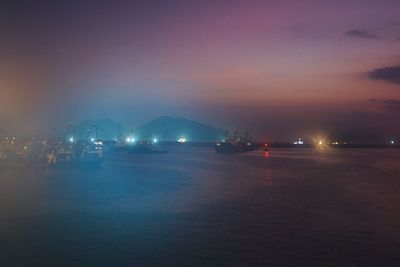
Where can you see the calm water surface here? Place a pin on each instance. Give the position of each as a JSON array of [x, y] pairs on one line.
[[192, 207]]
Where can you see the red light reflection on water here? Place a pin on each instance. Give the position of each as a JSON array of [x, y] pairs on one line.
[[266, 154]]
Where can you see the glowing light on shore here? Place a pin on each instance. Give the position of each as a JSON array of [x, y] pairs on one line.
[[130, 140]]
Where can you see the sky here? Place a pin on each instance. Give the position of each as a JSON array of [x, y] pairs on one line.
[[279, 69]]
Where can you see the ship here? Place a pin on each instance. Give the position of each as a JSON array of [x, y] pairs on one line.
[[235, 144]]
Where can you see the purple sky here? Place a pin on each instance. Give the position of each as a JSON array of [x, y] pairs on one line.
[[276, 68]]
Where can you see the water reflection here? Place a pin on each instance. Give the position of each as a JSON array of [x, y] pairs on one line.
[[197, 208]]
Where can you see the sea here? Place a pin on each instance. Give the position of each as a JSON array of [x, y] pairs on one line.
[[193, 207]]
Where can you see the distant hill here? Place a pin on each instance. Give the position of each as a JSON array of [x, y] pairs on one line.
[[170, 129]]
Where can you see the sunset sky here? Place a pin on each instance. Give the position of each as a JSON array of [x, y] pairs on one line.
[[276, 68]]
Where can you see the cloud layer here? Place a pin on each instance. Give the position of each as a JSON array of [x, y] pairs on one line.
[[361, 34]]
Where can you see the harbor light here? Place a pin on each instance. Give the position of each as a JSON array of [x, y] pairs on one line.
[[299, 142], [130, 140], [98, 143], [182, 139]]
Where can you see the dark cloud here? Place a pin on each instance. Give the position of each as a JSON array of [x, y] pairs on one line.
[[388, 74], [361, 34], [394, 102]]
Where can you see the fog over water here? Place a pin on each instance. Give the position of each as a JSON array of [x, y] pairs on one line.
[[192, 207]]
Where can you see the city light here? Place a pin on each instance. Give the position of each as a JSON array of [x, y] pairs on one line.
[[392, 142], [182, 139], [155, 140], [71, 139], [92, 139]]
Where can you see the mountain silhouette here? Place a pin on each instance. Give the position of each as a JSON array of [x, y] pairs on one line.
[[171, 128], [163, 128]]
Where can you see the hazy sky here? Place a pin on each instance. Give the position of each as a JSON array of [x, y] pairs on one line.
[[276, 68]]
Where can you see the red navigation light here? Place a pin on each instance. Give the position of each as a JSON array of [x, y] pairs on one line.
[[266, 154], [265, 144]]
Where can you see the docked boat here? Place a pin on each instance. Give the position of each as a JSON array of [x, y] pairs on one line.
[[62, 154], [7, 152], [91, 153]]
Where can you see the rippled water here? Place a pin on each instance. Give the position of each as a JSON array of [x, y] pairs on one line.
[[192, 207]]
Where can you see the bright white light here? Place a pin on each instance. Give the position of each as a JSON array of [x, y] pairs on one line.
[[128, 140], [71, 139], [320, 142], [299, 142], [392, 142], [92, 139], [155, 140], [182, 140]]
